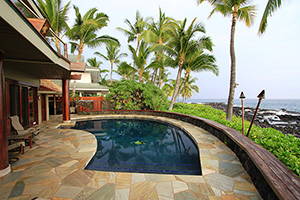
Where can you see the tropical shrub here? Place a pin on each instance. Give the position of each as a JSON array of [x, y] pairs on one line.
[[284, 147], [132, 95]]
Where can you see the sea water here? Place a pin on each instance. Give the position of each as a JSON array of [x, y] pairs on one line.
[[292, 105]]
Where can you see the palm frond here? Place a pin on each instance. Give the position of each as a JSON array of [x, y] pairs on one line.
[[247, 14], [271, 6]]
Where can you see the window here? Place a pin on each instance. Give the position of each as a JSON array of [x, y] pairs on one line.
[[23, 102]]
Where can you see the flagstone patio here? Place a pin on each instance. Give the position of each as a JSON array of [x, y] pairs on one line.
[[54, 169]]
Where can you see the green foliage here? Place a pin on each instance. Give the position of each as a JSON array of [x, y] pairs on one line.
[[284, 147], [73, 96], [131, 95]]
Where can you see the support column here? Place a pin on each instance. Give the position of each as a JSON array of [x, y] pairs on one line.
[[66, 99], [4, 165], [54, 104]]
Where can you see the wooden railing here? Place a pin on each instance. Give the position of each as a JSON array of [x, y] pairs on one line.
[[96, 104]]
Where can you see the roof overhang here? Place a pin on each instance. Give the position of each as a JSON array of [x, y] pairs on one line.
[[77, 67], [25, 49], [48, 90], [75, 76], [91, 90]]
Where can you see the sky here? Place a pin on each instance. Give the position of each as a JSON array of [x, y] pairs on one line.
[[269, 62]]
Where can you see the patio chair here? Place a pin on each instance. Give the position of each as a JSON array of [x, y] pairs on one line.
[[21, 133], [16, 145]]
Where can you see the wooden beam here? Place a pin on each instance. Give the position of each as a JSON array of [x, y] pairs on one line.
[[77, 67], [41, 25], [4, 166], [75, 76]]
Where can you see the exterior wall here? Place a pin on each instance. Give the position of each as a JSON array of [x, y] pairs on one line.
[[21, 77], [85, 78]]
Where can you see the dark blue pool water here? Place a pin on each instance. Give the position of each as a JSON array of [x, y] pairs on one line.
[[130, 145]]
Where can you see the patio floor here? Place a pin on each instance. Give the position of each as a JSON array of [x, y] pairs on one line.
[[54, 169]]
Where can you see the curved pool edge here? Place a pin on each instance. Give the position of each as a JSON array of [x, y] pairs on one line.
[[184, 127], [271, 177], [53, 169]]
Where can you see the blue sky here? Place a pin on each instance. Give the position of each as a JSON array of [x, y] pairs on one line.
[[269, 62]]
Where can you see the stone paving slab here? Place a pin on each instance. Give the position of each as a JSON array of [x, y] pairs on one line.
[[54, 169]]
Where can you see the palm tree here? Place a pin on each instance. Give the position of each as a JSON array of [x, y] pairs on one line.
[[271, 6], [94, 63], [125, 70], [168, 88], [239, 10], [189, 88], [135, 30], [157, 34], [198, 62], [163, 78], [84, 31], [180, 46], [113, 56], [56, 13], [140, 59]]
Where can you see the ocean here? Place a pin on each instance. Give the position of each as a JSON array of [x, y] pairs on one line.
[[292, 105]]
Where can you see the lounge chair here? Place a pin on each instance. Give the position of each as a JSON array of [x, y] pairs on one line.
[[16, 145], [21, 133]]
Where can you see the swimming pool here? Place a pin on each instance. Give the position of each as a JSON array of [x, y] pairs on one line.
[[143, 146]]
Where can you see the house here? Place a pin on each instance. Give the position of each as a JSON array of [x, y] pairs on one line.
[[26, 56], [51, 99], [88, 85]]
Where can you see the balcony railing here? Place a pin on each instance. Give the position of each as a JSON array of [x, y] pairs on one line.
[[54, 41]]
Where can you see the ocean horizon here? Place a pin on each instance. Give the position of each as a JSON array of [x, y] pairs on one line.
[[292, 105]]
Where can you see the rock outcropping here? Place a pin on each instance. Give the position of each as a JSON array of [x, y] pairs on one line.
[[284, 121]]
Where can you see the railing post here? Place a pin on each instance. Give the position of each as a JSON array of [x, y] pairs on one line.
[[65, 50]]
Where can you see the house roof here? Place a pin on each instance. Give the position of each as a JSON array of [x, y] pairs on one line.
[[93, 87], [25, 48], [89, 87], [48, 85]]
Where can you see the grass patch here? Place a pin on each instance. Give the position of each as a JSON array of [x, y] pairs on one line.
[[285, 147]]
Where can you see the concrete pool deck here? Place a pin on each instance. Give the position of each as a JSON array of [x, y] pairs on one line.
[[54, 169]]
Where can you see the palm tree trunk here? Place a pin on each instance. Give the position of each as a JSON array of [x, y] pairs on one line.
[[155, 77], [137, 48], [182, 84], [141, 76], [74, 82], [111, 70], [159, 77], [232, 71], [176, 85]]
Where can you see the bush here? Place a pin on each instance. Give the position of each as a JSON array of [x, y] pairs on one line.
[[284, 147], [132, 95]]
